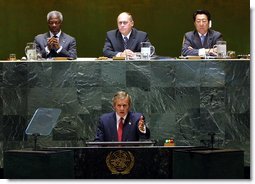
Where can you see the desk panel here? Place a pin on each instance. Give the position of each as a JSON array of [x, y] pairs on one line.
[[183, 99], [124, 162]]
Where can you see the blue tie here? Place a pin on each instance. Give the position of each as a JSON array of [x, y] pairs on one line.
[[125, 42], [202, 39]]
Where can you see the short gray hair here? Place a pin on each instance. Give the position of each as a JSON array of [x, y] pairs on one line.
[[55, 14]]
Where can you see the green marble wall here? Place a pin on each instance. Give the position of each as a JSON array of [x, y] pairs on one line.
[[180, 99], [166, 21]]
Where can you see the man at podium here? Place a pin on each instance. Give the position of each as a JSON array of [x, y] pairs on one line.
[[122, 125]]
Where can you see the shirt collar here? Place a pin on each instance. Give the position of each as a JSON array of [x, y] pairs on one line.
[[118, 118], [201, 34], [58, 35], [127, 35]]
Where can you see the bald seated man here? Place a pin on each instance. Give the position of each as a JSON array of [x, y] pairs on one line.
[[125, 40]]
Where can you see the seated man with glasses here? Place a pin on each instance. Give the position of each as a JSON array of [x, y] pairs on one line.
[[125, 40], [55, 43]]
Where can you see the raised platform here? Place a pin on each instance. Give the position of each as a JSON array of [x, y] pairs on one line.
[[125, 162], [180, 99]]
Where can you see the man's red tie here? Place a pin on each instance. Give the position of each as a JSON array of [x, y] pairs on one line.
[[120, 129]]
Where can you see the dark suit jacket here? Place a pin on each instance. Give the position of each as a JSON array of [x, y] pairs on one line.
[[114, 42], [192, 39], [66, 41], [107, 128]]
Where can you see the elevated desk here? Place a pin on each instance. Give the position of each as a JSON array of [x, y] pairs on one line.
[[183, 99]]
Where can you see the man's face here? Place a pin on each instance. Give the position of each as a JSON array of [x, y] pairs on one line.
[[201, 23], [54, 24], [121, 106], [125, 24]]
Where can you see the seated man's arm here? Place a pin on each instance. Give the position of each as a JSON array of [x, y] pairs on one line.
[[40, 48], [187, 48], [108, 50], [70, 51]]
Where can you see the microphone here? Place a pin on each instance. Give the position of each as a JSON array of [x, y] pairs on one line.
[[212, 134], [210, 23]]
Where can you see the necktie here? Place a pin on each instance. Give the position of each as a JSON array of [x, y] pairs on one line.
[[125, 42], [202, 39], [120, 129]]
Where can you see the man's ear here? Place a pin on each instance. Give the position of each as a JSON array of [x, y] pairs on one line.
[[132, 23]]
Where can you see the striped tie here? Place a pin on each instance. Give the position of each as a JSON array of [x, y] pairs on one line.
[[125, 42]]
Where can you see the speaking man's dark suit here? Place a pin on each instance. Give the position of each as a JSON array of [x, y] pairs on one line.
[[114, 42], [66, 41], [107, 128], [192, 39]]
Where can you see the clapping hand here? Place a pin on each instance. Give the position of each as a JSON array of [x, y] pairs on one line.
[[53, 43]]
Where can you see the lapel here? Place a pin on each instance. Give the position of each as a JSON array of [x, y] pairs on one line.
[[127, 127], [62, 39], [120, 41], [132, 39], [197, 40], [209, 39], [46, 36], [113, 127]]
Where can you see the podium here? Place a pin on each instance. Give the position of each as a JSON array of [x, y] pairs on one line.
[[126, 160]]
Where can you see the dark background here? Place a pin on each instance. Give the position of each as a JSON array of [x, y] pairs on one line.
[[166, 21]]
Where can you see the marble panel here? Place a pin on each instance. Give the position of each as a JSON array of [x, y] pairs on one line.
[[186, 100], [212, 74], [188, 74], [163, 74]]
